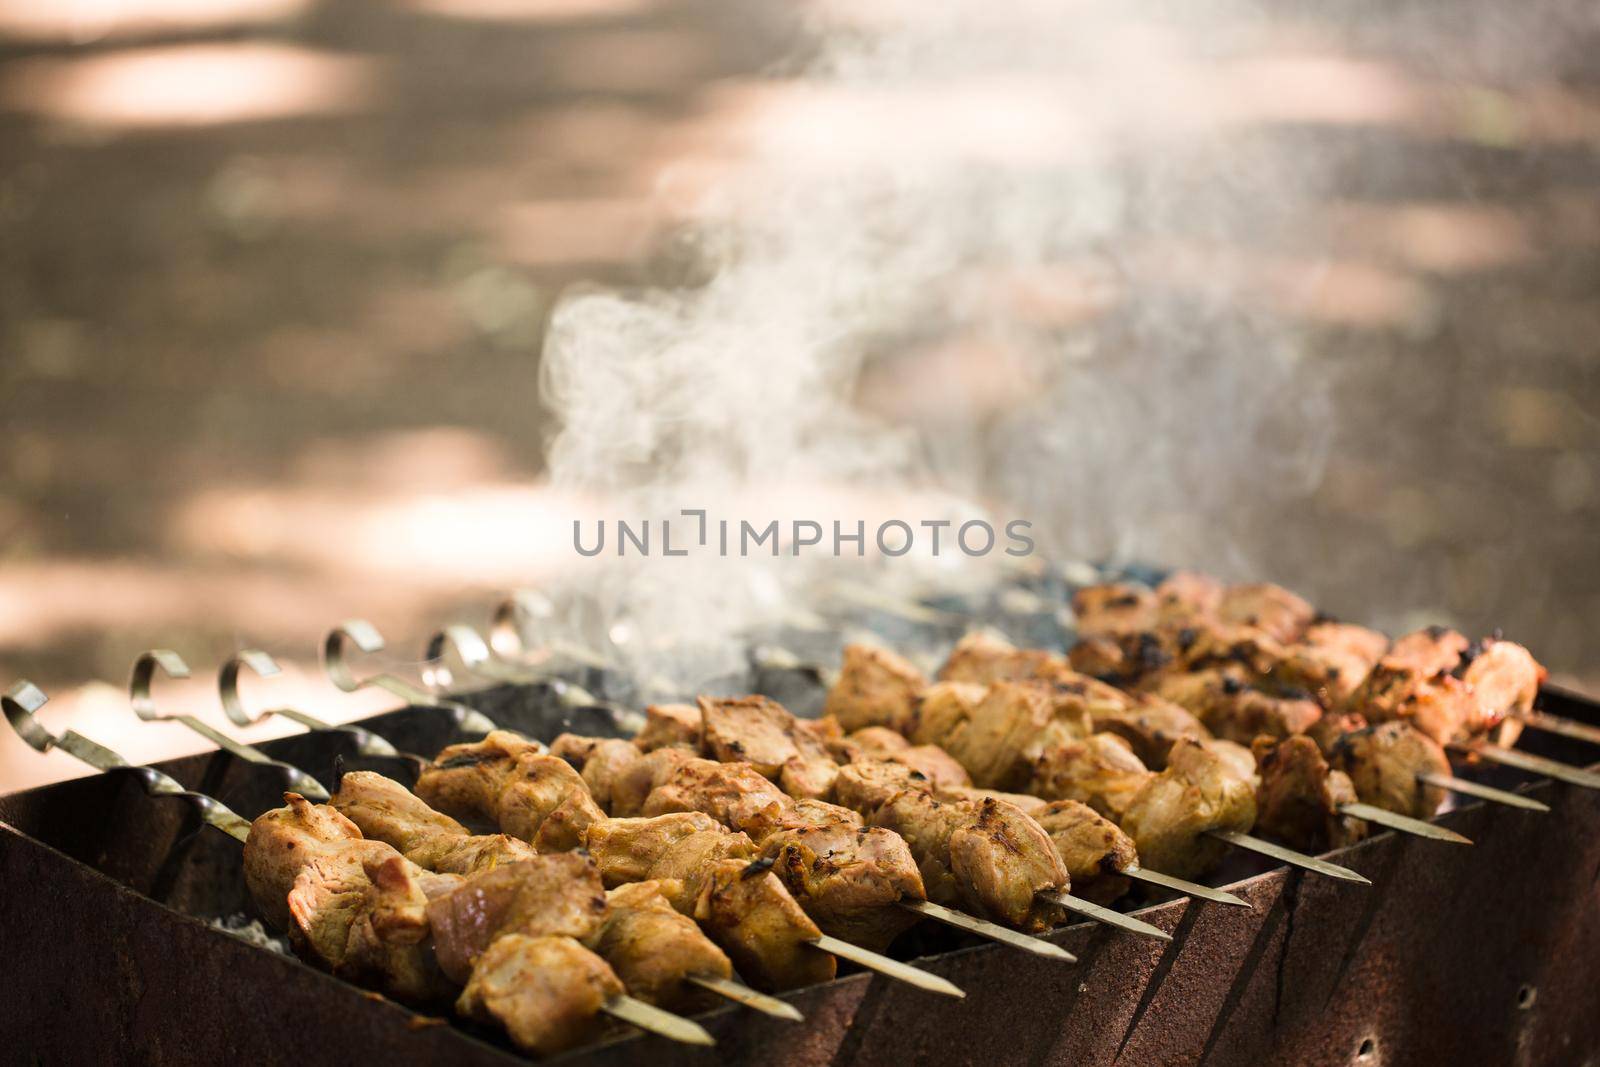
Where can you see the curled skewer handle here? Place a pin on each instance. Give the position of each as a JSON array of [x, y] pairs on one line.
[[24, 698], [172, 664], [472, 652], [366, 638], [262, 664]]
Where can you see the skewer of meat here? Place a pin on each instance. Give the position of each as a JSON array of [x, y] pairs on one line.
[[360, 909], [541, 798], [662, 958]]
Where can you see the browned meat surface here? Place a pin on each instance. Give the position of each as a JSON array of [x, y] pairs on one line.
[[1114, 608], [530, 795], [1024, 802], [559, 894], [625, 850], [1238, 760], [574, 748], [607, 761], [1150, 725], [1299, 796], [875, 687], [1331, 661], [734, 794], [1100, 771], [940, 768], [764, 734], [1122, 658], [941, 708], [879, 742], [1264, 606], [982, 658], [1383, 762], [1503, 676], [1328, 730], [986, 857], [632, 786], [1429, 651], [755, 920], [670, 726], [847, 878], [994, 743], [1237, 710], [808, 776], [1093, 849], [387, 811], [655, 950], [682, 868], [827, 733], [355, 907], [546, 992], [1188, 596], [464, 780], [1170, 814], [1452, 689], [864, 785]]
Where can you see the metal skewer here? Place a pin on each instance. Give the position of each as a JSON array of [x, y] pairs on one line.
[[1559, 724], [1403, 823], [24, 698], [740, 993], [1183, 885], [1288, 855], [366, 637], [367, 742], [1483, 792], [1524, 761], [651, 1018], [1107, 915], [168, 661], [989, 930], [887, 967]]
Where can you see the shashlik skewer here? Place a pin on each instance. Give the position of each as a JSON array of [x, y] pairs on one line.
[[384, 930], [384, 810], [541, 798], [365, 637], [144, 669]]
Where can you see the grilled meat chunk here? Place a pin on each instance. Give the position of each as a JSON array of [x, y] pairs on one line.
[[607, 761], [625, 850], [670, 726], [682, 869], [1450, 688], [940, 708], [1240, 711], [1328, 730], [1093, 849], [1029, 805], [847, 877], [734, 794], [1331, 661], [546, 992], [875, 687], [1299, 797], [530, 795], [1188, 596], [632, 786], [982, 658], [355, 907], [1100, 771], [557, 895], [865, 785], [655, 950], [763, 733], [387, 811], [940, 768], [1383, 763], [1150, 725], [995, 741], [1503, 676], [755, 920], [1172, 811], [1115, 608], [1267, 607]]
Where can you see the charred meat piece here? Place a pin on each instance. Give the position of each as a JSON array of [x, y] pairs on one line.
[[763, 733], [1331, 728], [1170, 814], [1188, 596], [942, 707], [1331, 661], [940, 768], [532, 796], [1503, 676], [755, 920], [547, 992], [1123, 658], [1093, 848], [1100, 771], [1449, 688], [682, 868], [734, 794], [1383, 763], [1150, 725], [632, 786], [557, 895], [606, 763], [1299, 797], [670, 726], [465, 780], [1115, 608], [387, 811], [655, 950], [1240, 711], [875, 687], [986, 857], [625, 850], [848, 878], [865, 785], [355, 907], [1267, 607], [994, 743], [981, 658]]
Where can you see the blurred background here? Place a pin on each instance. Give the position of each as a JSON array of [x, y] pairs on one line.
[[1287, 291]]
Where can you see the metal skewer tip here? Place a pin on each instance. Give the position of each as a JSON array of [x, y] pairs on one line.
[[1523, 761], [1288, 855], [1183, 885], [993, 931], [902, 972], [1107, 916], [1560, 724], [651, 1018], [740, 993], [1483, 792], [1405, 824]]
